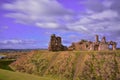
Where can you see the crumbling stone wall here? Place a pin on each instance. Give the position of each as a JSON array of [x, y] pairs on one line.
[[103, 45], [113, 44], [97, 45], [56, 44]]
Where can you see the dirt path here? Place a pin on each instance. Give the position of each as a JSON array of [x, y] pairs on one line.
[[54, 57], [80, 63]]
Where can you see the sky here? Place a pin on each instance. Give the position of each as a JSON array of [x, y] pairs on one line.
[[28, 24]]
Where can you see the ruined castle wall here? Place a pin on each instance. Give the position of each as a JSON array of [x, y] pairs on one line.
[[91, 47], [103, 47], [81, 46], [56, 44]]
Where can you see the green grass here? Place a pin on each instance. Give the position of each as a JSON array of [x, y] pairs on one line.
[[4, 64], [9, 75], [6, 73]]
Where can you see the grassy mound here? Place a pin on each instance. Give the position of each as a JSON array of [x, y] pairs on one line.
[[102, 66], [9, 75], [71, 65]]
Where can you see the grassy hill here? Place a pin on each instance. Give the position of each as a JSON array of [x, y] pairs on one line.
[[71, 65], [6, 73], [9, 75]]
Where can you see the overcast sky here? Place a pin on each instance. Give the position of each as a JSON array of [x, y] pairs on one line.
[[29, 23]]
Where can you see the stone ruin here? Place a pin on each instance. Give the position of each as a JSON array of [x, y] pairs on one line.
[[96, 46], [56, 44]]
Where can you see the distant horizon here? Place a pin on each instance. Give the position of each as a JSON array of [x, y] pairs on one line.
[[100, 38]]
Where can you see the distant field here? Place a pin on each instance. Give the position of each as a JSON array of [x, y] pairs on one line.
[[9, 75]]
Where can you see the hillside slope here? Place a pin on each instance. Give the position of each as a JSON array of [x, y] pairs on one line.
[[9, 75], [71, 65]]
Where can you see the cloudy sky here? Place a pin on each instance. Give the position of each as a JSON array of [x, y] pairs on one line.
[[29, 23]]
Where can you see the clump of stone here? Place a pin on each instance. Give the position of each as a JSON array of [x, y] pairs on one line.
[[56, 44]]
